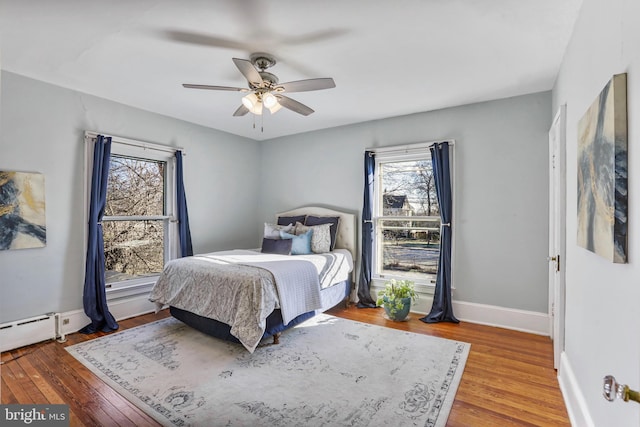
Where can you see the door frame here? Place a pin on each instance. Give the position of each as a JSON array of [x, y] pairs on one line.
[[557, 234]]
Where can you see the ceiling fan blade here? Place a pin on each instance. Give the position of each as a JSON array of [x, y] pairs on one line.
[[205, 40], [249, 71], [241, 111], [294, 105], [308, 85], [316, 36], [236, 89]]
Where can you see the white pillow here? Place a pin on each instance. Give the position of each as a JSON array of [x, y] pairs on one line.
[[320, 239], [272, 231]]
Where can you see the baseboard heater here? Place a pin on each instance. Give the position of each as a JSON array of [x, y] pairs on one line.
[[27, 331]]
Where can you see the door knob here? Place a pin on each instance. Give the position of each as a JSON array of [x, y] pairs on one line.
[[611, 390]]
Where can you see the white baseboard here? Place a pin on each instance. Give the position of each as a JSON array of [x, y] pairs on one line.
[[573, 398], [73, 321], [509, 318], [532, 322]]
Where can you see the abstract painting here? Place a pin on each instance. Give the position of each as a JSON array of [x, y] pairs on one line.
[[22, 215], [602, 173]]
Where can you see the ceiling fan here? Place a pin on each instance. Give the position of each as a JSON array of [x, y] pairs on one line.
[[265, 90]]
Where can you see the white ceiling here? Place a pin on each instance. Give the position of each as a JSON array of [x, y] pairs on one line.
[[388, 58]]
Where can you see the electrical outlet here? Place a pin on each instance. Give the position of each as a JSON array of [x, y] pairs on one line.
[[65, 321]]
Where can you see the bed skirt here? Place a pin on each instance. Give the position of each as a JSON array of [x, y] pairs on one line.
[[223, 331], [330, 297]]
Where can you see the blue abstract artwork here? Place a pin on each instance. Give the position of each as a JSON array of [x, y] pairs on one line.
[[22, 210], [602, 173]]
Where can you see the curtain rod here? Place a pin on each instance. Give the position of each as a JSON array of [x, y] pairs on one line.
[[407, 148], [135, 143]]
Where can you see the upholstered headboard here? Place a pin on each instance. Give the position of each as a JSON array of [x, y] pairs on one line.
[[347, 231]]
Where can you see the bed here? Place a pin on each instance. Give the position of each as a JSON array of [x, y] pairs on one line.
[[249, 295]]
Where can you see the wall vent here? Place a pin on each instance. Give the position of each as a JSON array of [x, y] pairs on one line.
[[27, 331]]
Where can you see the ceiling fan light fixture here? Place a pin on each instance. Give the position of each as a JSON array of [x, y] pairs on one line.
[[251, 101], [269, 100], [256, 109], [275, 108]]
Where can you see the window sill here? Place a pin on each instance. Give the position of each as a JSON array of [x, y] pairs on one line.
[[421, 288], [124, 289]]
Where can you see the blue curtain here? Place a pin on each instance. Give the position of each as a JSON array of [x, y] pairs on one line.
[[94, 297], [184, 233], [441, 310], [364, 285]]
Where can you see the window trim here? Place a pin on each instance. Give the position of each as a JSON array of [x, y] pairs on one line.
[[399, 153], [144, 151]]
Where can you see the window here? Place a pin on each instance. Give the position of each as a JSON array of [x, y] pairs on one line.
[[406, 215], [134, 219], [139, 234]]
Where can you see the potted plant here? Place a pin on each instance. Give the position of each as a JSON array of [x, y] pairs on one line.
[[396, 298]]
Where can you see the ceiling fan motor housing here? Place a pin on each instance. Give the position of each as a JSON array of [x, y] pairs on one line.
[[262, 61]]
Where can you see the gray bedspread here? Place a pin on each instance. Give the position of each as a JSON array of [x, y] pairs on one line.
[[241, 288]]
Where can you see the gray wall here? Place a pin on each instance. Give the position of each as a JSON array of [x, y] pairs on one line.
[[602, 298], [501, 187], [234, 184], [42, 130]]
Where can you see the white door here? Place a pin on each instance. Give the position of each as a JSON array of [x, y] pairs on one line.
[[557, 219]]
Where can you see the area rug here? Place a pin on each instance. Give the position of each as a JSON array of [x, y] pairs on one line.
[[325, 372]]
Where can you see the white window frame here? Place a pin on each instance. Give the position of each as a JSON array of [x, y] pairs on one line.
[[144, 151], [409, 152]]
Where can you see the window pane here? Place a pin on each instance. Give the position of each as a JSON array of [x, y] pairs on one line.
[[408, 189], [133, 249], [136, 187], [409, 251]]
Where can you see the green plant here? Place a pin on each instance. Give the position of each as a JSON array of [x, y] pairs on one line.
[[391, 297]]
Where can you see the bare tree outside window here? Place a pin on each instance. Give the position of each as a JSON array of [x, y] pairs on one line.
[[134, 229], [409, 227]]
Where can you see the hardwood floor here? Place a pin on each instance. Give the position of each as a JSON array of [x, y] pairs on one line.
[[508, 380]]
